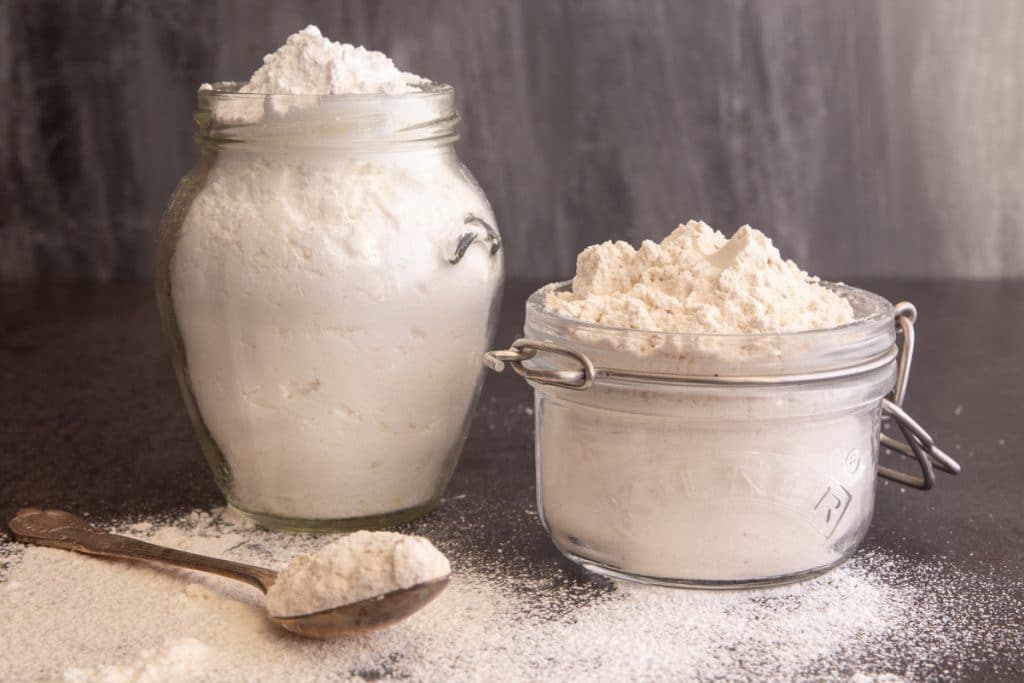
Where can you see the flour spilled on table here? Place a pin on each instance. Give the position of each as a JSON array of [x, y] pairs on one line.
[[876, 618]]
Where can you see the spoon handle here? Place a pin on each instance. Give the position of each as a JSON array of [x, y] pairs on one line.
[[59, 529]]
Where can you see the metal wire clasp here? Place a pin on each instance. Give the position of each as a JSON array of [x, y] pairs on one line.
[[917, 443], [525, 349]]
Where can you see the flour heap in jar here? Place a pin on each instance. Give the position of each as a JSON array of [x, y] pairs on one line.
[[310, 64], [332, 343], [697, 281]]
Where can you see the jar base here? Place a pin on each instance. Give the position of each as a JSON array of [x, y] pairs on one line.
[[328, 526], [706, 584]]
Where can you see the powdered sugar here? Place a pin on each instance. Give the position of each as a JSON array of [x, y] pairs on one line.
[[696, 281], [356, 567], [502, 618]]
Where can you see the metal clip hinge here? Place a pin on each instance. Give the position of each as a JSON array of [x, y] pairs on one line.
[[917, 443], [525, 349]]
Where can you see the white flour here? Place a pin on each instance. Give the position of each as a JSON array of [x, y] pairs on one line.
[[310, 64], [307, 66], [89, 619], [696, 281], [178, 660], [333, 351], [704, 486], [357, 567]]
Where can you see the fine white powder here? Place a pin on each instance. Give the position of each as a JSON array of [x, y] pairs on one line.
[[357, 567], [89, 619], [177, 660], [333, 350], [307, 67], [697, 281], [310, 64], [711, 488]]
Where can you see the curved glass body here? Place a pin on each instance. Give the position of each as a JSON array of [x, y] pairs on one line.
[[328, 276], [708, 483]]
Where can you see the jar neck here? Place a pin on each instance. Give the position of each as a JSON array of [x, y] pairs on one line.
[[421, 120]]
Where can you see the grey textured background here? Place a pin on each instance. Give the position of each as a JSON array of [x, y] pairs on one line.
[[874, 137]]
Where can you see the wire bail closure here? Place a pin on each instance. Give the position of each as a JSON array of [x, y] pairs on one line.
[[525, 349], [916, 443]]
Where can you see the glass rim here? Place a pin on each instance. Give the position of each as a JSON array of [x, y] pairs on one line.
[[423, 118], [229, 90]]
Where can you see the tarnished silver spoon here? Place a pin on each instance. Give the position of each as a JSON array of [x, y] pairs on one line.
[[60, 529]]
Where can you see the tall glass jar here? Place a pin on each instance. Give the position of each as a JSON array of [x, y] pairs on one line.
[[328, 275]]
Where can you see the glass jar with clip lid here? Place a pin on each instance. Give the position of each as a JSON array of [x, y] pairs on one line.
[[717, 460]]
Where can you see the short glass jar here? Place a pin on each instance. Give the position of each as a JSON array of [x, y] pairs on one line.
[[715, 460], [328, 276]]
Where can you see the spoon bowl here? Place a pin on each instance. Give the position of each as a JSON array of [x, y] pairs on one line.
[[365, 615], [60, 529]]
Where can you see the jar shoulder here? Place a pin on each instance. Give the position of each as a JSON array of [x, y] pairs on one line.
[[260, 212]]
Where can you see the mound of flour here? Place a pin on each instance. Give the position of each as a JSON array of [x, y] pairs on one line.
[[357, 567], [310, 64], [697, 281]]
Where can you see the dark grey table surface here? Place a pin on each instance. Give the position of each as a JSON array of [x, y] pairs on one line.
[[91, 421]]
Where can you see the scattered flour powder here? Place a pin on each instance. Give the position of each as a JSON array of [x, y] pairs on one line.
[[697, 281], [356, 567], [78, 618]]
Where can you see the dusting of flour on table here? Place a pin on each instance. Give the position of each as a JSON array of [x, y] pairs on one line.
[[180, 659], [504, 617], [357, 567], [697, 281]]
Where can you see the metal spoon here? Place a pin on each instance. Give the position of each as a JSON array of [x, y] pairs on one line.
[[60, 529]]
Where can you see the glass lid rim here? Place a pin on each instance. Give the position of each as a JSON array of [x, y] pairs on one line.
[[882, 316], [229, 90]]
